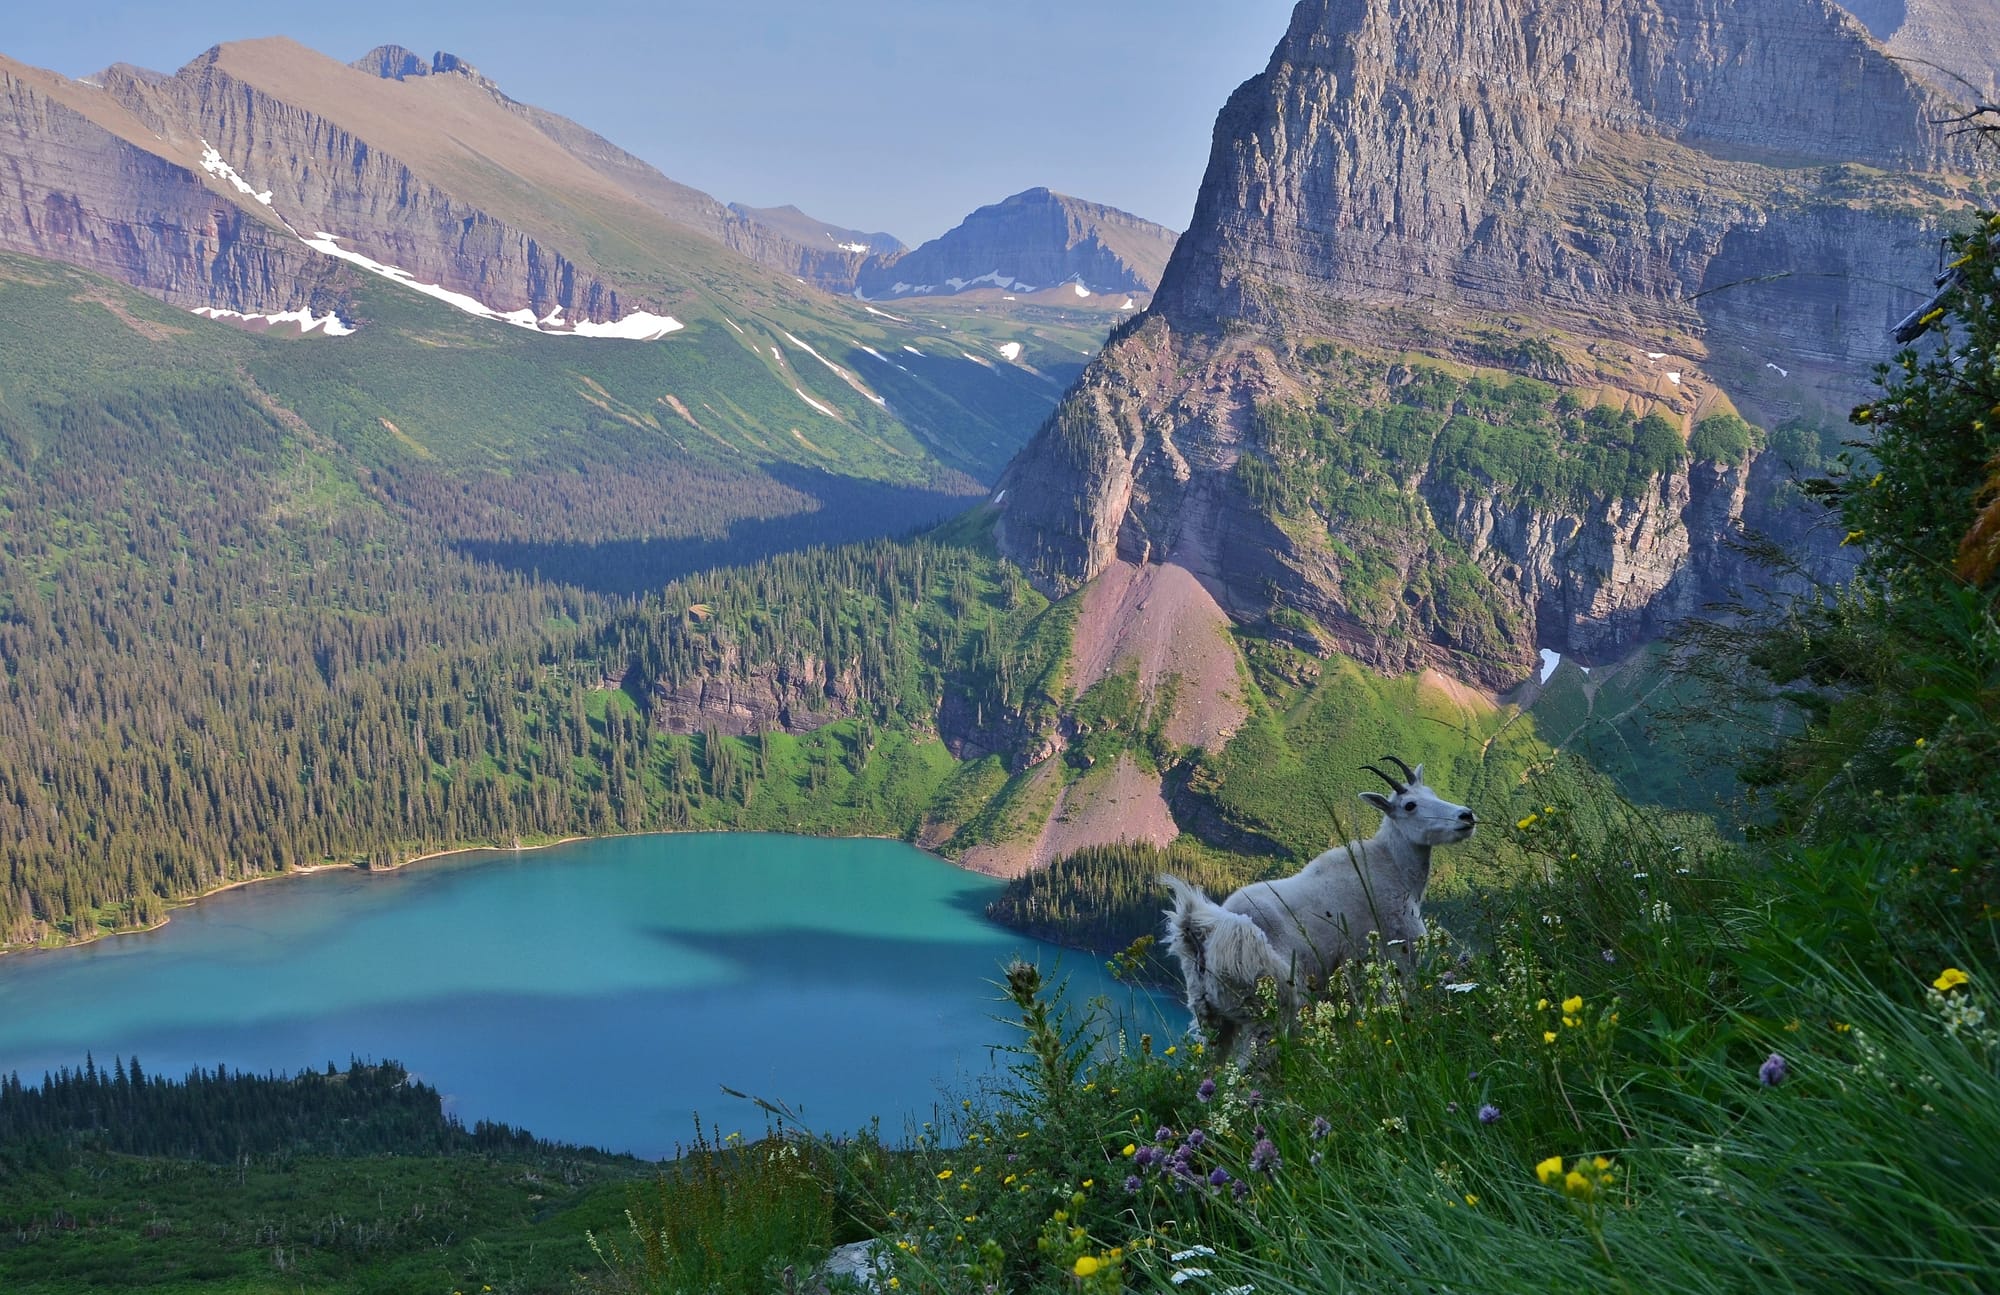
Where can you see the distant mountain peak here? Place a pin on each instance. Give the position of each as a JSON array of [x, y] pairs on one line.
[[1029, 242], [397, 63], [392, 63]]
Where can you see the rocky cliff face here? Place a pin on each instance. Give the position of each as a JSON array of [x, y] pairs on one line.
[[1030, 242], [1948, 43], [739, 698], [1645, 199], [87, 183]]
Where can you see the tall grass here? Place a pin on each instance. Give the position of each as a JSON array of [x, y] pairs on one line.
[[1628, 1075]]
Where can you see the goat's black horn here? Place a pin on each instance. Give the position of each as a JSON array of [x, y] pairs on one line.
[[1393, 784], [1408, 772]]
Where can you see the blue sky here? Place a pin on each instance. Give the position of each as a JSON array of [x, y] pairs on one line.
[[898, 115]]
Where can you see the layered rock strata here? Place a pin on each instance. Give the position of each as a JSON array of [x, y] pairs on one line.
[[1637, 176]]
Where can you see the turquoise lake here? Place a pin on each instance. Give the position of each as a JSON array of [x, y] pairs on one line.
[[601, 992]]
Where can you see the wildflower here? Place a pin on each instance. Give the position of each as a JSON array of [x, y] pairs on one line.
[[1196, 1137], [1772, 1072], [1131, 1184], [1192, 1252], [1255, 1099], [1541, 1004], [1320, 1127], [1206, 1092], [1572, 1005], [1241, 1191], [1470, 1199], [1608, 956], [1264, 1157], [1182, 1276], [1854, 537], [1578, 1185], [1949, 979], [1548, 1036], [1131, 1149], [1220, 1177], [1163, 1134], [1087, 1265], [1489, 1114], [1528, 822], [943, 1174], [1550, 1171]]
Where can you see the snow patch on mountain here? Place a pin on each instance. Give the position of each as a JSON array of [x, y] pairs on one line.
[[211, 162], [828, 410], [640, 326], [329, 324]]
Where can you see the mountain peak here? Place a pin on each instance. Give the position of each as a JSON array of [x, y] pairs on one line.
[[1032, 241], [392, 63]]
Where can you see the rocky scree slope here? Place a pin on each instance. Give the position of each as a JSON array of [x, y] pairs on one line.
[[1646, 202]]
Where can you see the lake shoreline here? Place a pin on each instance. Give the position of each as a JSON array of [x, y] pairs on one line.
[[175, 905]]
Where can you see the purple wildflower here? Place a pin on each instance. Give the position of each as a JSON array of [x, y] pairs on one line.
[[1255, 1099], [1489, 1114], [1772, 1072], [1219, 1177], [1132, 1184], [1241, 1191], [1472, 1076], [1264, 1157], [1608, 956], [1163, 1134], [1145, 1156], [1206, 1091], [1196, 1137], [1321, 1126]]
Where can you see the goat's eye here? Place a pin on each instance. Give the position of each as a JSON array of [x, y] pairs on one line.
[[1409, 807]]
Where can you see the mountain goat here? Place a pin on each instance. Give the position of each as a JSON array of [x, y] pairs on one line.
[[1300, 929]]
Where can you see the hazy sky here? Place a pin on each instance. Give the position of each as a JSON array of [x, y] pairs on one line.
[[896, 115]]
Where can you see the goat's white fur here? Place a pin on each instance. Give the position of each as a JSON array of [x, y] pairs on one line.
[[1299, 930]]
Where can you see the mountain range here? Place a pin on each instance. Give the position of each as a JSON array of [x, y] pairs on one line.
[[1497, 327]]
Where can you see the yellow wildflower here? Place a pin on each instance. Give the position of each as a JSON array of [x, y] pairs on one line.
[[1470, 1199], [1548, 1036], [1575, 1184], [1541, 1004], [1130, 1147], [1601, 1163], [1089, 1183], [1008, 1181], [1550, 1170], [1528, 822], [1172, 1049], [1949, 979], [1573, 1004], [1087, 1265], [1854, 537], [943, 1174]]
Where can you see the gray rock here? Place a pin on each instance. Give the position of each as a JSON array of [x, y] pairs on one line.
[[1405, 175]]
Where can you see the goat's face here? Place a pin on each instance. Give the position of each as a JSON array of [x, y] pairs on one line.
[[1419, 814]]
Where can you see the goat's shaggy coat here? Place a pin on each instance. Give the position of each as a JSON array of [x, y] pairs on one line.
[[1300, 929]]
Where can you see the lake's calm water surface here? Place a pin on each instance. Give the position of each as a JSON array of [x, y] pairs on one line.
[[599, 992]]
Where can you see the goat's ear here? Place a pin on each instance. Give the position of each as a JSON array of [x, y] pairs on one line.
[[1417, 776], [1378, 800]]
